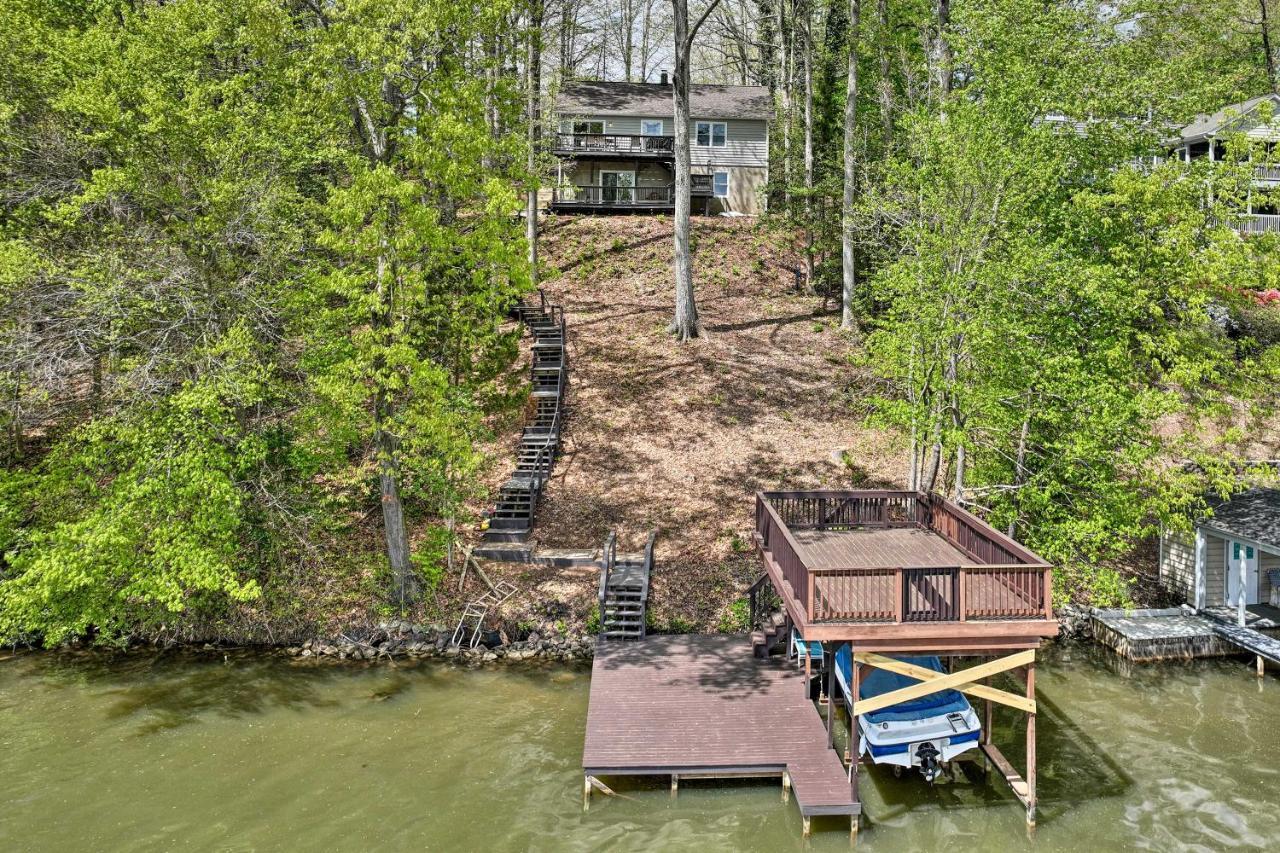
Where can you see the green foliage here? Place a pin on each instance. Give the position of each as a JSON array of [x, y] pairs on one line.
[[736, 619], [593, 622], [237, 242]]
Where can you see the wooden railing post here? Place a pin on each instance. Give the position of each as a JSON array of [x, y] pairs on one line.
[[964, 594], [898, 591]]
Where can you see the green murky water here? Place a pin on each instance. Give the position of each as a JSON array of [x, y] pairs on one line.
[[253, 753]]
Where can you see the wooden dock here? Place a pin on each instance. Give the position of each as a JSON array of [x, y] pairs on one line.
[[702, 706]]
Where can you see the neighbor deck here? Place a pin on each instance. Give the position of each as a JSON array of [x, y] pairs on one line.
[[702, 706]]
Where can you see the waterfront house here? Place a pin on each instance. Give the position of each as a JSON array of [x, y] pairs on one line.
[[615, 147], [1232, 552], [1259, 120]]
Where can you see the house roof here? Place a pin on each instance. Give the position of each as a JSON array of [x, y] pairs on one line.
[[654, 99], [1253, 514], [1207, 125]]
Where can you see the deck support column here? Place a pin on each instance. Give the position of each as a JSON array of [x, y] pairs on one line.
[[1031, 747], [675, 784], [829, 659], [586, 793], [855, 732], [786, 787], [805, 828], [1262, 666]]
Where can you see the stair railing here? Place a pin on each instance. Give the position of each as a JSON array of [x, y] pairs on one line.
[[608, 556], [648, 573]]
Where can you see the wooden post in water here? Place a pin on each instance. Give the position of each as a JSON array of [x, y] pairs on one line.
[[830, 660], [1262, 666], [1031, 747], [786, 787], [675, 784]]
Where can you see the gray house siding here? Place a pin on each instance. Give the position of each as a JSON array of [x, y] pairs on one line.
[[746, 140], [1178, 564], [746, 144], [1215, 570]]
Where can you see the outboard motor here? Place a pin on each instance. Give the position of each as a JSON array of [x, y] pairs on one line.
[[930, 768]]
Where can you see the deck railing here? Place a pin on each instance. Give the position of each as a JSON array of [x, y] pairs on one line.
[[615, 143], [1006, 582], [1257, 223], [597, 195]]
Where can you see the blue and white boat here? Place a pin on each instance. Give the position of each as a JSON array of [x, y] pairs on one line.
[[926, 733]]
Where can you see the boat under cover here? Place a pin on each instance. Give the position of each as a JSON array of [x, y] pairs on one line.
[[925, 732]]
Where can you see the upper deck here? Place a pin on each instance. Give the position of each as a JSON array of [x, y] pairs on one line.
[[901, 571]]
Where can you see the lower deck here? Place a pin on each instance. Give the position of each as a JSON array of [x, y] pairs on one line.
[[703, 706]]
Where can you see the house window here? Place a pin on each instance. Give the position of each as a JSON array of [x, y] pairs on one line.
[[711, 134], [584, 127], [720, 184], [651, 127]]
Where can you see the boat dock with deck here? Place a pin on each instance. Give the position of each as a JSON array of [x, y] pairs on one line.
[[887, 573]]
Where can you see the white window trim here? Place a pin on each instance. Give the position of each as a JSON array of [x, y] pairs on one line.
[[714, 175], [711, 134], [662, 126]]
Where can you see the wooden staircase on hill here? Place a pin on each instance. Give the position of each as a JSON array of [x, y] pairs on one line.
[[624, 590], [512, 518]]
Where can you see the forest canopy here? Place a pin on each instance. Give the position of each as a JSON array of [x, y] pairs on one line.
[[256, 259]]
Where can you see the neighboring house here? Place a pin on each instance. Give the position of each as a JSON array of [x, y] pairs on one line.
[[1205, 138], [616, 147], [1235, 550]]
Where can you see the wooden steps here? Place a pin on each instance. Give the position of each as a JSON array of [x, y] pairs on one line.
[[512, 518], [766, 638], [624, 591]]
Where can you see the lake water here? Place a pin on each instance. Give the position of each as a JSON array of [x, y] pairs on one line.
[[262, 753]]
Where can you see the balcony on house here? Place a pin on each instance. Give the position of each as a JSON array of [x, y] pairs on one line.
[[614, 145], [888, 567]]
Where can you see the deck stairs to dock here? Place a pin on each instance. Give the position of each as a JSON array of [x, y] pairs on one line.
[[624, 590], [767, 618], [512, 517], [473, 615]]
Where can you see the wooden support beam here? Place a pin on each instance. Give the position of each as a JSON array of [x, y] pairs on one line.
[[675, 784], [921, 673], [1016, 782], [786, 787], [1262, 666], [829, 659], [586, 793], [1031, 747], [950, 681]]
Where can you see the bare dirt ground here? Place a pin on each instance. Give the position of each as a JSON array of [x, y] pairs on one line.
[[679, 437]]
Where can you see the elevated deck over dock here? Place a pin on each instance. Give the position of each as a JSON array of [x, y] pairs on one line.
[[901, 571], [702, 706]]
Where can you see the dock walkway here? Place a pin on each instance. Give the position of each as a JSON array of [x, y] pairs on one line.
[[702, 706], [1248, 639]]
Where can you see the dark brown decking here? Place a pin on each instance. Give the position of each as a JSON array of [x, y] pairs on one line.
[[702, 705], [877, 548]]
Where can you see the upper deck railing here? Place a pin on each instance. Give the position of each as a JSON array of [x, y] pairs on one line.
[[1002, 580], [615, 143]]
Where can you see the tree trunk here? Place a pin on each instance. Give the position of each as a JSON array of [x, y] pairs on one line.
[[685, 325], [940, 50], [1268, 56], [385, 445], [886, 81], [787, 34], [808, 144], [534, 115], [848, 255], [397, 537]]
